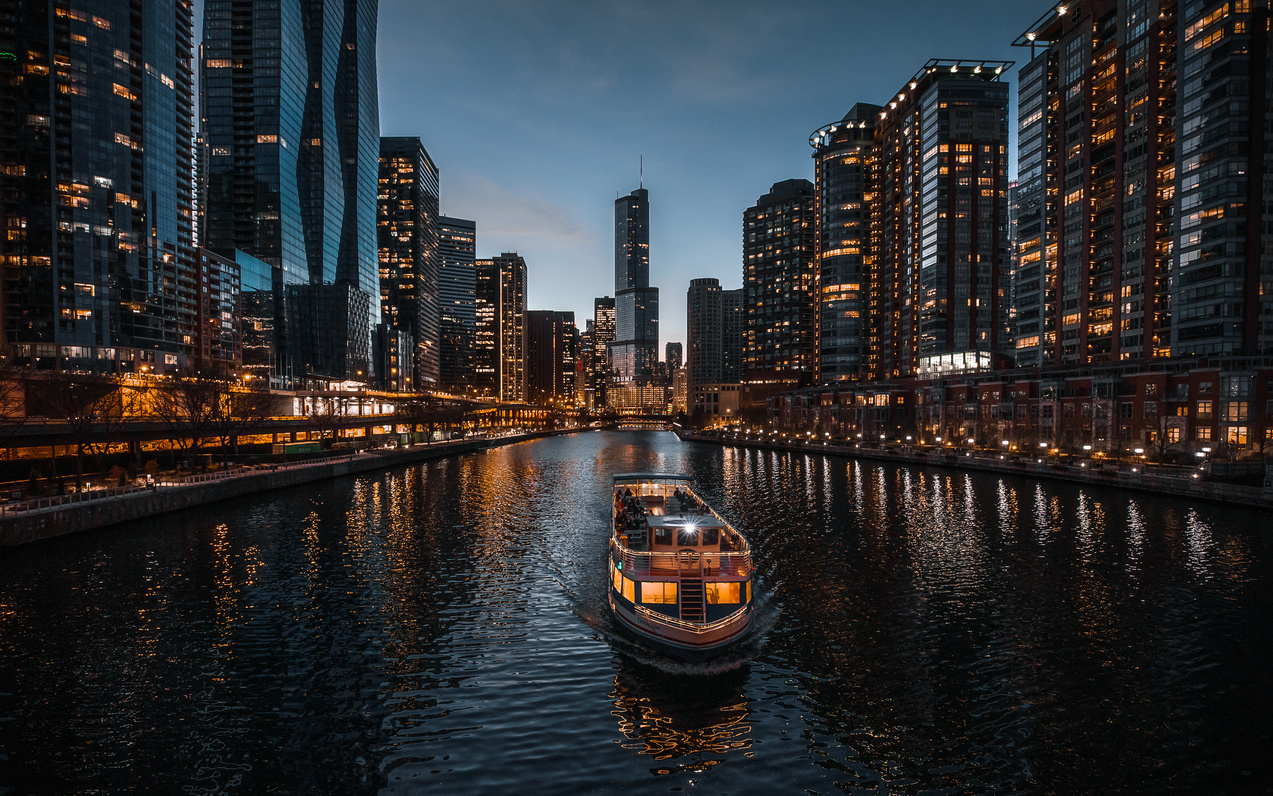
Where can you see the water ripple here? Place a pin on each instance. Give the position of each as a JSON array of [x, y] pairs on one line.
[[443, 628]]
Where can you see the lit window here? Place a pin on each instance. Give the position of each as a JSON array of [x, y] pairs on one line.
[[723, 593], [658, 593]]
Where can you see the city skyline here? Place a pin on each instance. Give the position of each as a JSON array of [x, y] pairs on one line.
[[538, 117]]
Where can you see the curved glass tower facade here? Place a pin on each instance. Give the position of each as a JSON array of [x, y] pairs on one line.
[[290, 122]]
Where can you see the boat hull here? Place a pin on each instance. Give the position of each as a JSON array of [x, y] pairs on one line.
[[685, 646]]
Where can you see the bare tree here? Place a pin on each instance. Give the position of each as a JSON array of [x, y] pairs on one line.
[[13, 406], [94, 408], [187, 401], [239, 410]]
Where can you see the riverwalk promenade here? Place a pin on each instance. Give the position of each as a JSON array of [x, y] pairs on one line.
[[1191, 483], [48, 518]]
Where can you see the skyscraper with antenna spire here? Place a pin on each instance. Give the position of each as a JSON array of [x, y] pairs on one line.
[[635, 351]]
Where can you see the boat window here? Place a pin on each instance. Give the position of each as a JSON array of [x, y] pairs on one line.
[[616, 578], [722, 593], [629, 590], [663, 536], [658, 592], [711, 536], [686, 537]]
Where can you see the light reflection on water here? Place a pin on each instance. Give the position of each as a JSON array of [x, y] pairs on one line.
[[443, 628]]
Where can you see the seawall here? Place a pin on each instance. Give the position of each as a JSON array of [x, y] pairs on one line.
[[75, 516], [1182, 486]]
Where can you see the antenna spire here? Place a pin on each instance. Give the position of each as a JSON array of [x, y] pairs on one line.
[[641, 184]]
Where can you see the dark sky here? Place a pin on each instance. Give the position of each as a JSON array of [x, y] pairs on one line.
[[537, 111]]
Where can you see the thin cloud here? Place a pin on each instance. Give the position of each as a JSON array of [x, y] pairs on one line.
[[504, 211]]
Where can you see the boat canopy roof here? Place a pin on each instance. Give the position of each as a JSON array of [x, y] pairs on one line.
[[689, 522], [638, 477]]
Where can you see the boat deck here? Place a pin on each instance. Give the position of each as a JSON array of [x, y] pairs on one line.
[[675, 534]]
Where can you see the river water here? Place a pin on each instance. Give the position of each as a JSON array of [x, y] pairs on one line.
[[442, 628]]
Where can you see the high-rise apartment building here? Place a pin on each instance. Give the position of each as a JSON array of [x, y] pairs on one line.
[[942, 194], [674, 355], [635, 352], [407, 229], [731, 341], [290, 120], [585, 392], [552, 352], [500, 308], [1144, 220], [780, 284], [934, 246], [457, 285], [218, 341], [98, 269], [704, 329], [845, 157], [602, 336]]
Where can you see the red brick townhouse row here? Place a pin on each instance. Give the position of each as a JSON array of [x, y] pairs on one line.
[[1180, 406]]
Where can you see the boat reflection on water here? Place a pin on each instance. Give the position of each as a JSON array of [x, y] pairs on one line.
[[683, 723]]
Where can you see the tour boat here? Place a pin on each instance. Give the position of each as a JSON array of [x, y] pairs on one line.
[[680, 576]]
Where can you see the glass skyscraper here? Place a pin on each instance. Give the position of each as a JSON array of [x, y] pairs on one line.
[[635, 352], [457, 285], [97, 267], [290, 123]]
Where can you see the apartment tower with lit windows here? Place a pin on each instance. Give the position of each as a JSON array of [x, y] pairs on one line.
[[407, 230], [98, 267], [941, 221], [1145, 224], [780, 285], [913, 227], [499, 366], [844, 157]]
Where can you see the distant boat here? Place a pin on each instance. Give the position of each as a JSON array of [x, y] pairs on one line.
[[680, 576]]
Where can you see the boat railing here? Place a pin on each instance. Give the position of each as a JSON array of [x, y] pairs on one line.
[[709, 562], [654, 618]]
